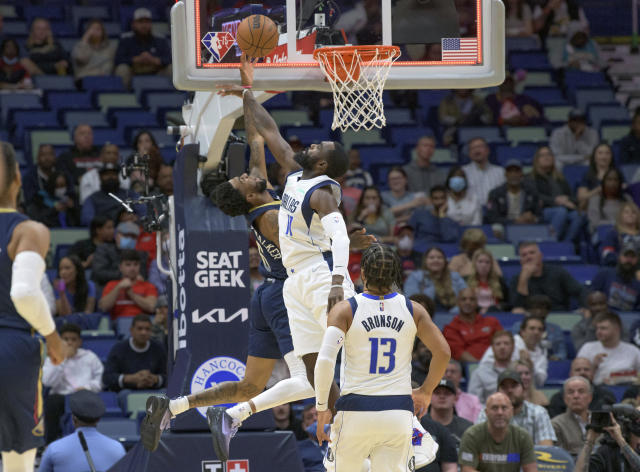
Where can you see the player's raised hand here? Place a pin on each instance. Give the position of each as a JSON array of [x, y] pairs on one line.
[[324, 418], [421, 402], [246, 69], [359, 239], [230, 89], [57, 349]]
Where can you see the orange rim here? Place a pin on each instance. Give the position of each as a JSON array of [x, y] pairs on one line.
[[366, 53]]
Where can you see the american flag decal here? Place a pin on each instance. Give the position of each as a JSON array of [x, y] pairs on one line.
[[459, 49]]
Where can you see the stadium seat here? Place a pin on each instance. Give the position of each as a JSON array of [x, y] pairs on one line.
[[538, 79], [107, 101], [103, 83], [120, 429], [12, 101], [599, 113], [588, 96], [15, 29], [352, 138], [618, 391], [163, 139], [558, 372], [279, 101], [34, 139], [8, 11], [31, 119], [101, 346], [429, 98], [102, 136], [406, 134], [565, 320], [133, 118], [517, 134], [502, 252], [628, 318], [73, 118], [443, 156], [61, 251], [523, 152], [54, 82], [557, 113], [67, 236], [442, 319], [517, 233], [69, 100], [306, 134], [51, 12], [85, 12], [399, 116], [64, 30], [112, 409], [123, 325], [611, 133], [551, 391], [574, 78], [522, 43], [370, 155], [489, 133], [507, 319], [449, 249], [155, 100], [553, 458], [546, 96], [291, 118], [583, 273], [529, 60], [558, 251], [136, 402], [574, 173], [140, 83]]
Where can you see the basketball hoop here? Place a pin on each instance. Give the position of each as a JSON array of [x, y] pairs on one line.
[[357, 75]]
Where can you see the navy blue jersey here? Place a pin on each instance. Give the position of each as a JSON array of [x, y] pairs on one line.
[[9, 316], [271, 258]]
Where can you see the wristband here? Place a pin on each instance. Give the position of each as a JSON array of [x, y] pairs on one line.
[[337, 286], [245, 91]]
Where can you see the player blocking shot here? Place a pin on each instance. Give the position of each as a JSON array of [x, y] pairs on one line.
[[375, 410], [23, 312]]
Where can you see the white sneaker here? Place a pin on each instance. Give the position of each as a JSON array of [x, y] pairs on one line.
[[424, 447]]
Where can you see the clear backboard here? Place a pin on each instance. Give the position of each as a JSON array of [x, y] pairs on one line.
[[444, 43]]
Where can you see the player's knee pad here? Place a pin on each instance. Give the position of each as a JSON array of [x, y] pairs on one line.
[[296, 365]]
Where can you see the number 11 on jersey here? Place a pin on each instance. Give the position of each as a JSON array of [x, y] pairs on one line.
[[390, 352]]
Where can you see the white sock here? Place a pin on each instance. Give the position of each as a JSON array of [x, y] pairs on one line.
[[240, 412], [178, 405], [14, 462]]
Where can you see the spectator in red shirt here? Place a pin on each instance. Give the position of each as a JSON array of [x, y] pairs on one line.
[[469, 333], [131, 295]]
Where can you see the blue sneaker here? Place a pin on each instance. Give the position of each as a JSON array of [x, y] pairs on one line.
[[223, 428]]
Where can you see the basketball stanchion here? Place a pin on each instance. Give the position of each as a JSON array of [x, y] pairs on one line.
[[357, 75]]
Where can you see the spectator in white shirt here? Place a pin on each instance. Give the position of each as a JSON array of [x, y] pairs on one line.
[[82, 370], [574, 142], [463, 206], [90, 180], [481, 174], [615, 361]]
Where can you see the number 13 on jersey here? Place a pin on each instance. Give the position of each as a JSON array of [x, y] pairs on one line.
[[386, 347]]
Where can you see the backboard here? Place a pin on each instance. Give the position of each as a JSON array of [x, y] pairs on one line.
[[444, 43]]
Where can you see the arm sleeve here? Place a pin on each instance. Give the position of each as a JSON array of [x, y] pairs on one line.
[[325, 365], [26, 292], [335, 228]]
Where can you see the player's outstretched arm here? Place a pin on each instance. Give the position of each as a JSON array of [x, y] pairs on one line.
[[28, 248], [431, 336], [338, 322]]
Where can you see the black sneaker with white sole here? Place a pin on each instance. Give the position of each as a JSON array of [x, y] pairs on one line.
[[150, 430], [222, 430]]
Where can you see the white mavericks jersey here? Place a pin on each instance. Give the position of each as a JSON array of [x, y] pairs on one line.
[[300, 230], [377, 348]]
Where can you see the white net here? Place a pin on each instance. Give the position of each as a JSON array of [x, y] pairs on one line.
[[357, 75]]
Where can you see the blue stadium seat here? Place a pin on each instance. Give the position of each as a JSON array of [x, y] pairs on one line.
[[449, 249], [522, 43], [61, 251], [30, 119], [489, 133], [112, 408], [517, 233], [379, 155], [523, 152], [618, 391], [583, 273], [120, 429], [132, 118], [51, 12], [126, 15], [574, 78], [429, 98], [63, 29], [574, 173], [123, 326], [85, 12], [441, 319], [628, 318], [553, 458], [399, 116], [162, 138], [73, 118], [557, 250], [546, 96], [140, 83], [507, 319], [15, 29], [12, 101], [406, 134], [587, 96], [600, 113], [102, 136], [279, 101], [101, 346], [155, 100], [69, 100], [529, 60], [54, 82], [306, 134], [103, 83], [558, 372]]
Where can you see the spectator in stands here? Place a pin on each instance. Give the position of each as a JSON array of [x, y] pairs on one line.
[[534, 419], [463, 206], [140, 52], [81, 370], [600, 162], [164, 181], [484, 378], [620, 283], [67, 453], [536, 278], [422, 174], [129, 295], [585, 329], [94, 53], [356, 176], [487, 284], [83, 155], [446, 455], [101, 203], [144, 144], [554, 18], [410, 259], [513, 109], [56, 204], [160, 328], [432, 224], [574, 142], [519, 18], [285, 420], [614, 361], [528, 346], [101, 231], [442, 410], [472, 240], [625, 231], [524, 367], [571, 426], [481, 175], [559, 208], [462, 108], [420, 362], [468, 406], [35, 178], [601, 395], [469, 333], [2, 35], [496, 443], [436, 280], [580, 51], [90, 180], [630, 144], [373, 216], [398, 198], [138, 362], [46, 55], [602, 209], [553, 337], [350, 197], [514, 202], [13, 75], [74, 293]]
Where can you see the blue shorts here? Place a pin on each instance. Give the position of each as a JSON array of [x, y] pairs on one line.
[[269, 333], [21, 428]]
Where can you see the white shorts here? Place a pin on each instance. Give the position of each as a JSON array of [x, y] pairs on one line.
[[382, 436], [305, 295]]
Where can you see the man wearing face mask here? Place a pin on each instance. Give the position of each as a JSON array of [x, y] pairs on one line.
[[410, 260], [619, 283], [513, 202], [101, 203], [105, 265]]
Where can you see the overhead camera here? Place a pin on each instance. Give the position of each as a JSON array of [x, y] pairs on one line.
[[231, 165]]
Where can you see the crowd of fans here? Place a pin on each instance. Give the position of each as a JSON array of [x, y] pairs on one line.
[[422, 208]]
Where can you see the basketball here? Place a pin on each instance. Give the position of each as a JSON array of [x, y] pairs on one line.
[[257, 35]]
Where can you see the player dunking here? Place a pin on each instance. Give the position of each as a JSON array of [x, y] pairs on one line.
[[269, 335], [375, 408], [23, 310]]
